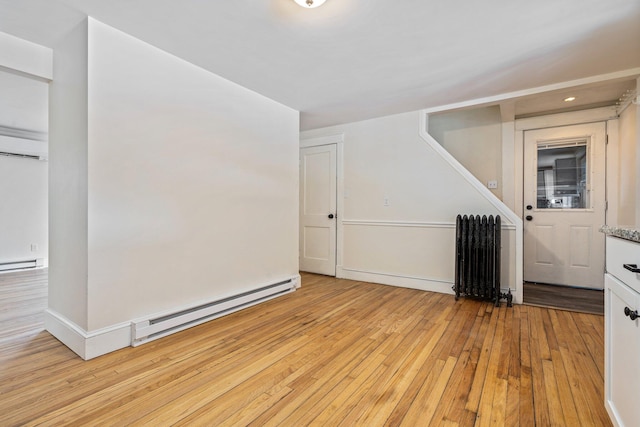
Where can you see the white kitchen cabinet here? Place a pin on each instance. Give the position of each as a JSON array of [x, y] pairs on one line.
[[622, 333]]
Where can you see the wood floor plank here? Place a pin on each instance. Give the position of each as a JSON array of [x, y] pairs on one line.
[[402, 367], [556, 416], [335, 352], [456, 327], [453, 399], [498, 409], [539, 354], [408, 374], [492, 382], [526, 399], [585, 378], [567, 400], [424, 407], [480, 375]]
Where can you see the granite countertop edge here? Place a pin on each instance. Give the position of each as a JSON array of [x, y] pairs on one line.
[[627, 233]]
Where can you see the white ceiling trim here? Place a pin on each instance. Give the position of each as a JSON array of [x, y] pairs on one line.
[[497, 99]]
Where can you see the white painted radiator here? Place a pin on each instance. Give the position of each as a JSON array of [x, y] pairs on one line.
[[150, 329]]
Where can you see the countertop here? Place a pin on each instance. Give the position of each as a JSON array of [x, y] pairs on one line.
[[627, 233]]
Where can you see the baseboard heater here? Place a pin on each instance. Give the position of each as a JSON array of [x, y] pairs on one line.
[[22, 156], [147, 330], [478, 247], [19, 265]]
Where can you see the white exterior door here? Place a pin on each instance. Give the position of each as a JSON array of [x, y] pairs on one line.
[[318, 209], [564, 205]]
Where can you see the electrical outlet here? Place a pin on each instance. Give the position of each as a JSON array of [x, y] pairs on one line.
[[492, 184], [34, 247], [386, 200]]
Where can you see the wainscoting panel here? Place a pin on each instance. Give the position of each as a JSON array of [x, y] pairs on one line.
[[412, 254]]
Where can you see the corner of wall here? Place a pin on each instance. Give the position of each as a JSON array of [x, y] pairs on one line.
[[68, 149]]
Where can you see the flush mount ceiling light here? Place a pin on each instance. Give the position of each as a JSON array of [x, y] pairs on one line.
[[569, 99], [310, 4]]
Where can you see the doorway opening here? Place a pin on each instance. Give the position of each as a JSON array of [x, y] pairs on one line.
[[564, 207], [321, 204]]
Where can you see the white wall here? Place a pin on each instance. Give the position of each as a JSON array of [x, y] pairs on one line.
[[474, 138], [191, 182], [628, 166], [24, 104], [411, 242], [23, 182], [23, 211], [68, 185]]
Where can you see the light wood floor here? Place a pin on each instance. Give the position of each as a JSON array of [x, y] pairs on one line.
[[335, 352]]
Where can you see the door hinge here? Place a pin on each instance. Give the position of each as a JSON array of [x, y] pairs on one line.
[[606, 139], [606, 205]]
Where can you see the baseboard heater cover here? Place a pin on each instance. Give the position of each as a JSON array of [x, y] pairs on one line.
[[23, 156], [20, 265], [143, 331]]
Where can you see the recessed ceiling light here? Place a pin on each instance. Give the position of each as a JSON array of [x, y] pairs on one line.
[[569, 99], [310, 4]]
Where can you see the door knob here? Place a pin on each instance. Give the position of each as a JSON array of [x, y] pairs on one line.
[[529, 207], [633, 315], [330, 216], [528, 217]]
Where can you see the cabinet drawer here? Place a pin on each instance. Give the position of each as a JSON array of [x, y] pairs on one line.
[[620, 252]]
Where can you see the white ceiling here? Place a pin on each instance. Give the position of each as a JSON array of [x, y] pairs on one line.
[[356, 59], [586, 96]]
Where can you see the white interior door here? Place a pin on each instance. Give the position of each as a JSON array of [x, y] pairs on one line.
[[318, 209], [564, 205]]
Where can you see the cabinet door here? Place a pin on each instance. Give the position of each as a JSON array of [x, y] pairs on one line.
[[622, 354]]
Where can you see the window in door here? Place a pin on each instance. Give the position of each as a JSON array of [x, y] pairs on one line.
[[562, 176]]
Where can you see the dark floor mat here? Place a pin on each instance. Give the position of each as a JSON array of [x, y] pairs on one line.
[[564, 298]]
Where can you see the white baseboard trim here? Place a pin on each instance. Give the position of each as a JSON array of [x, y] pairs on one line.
[[432, 285], [423, 284], [87, 345], [416, 224]]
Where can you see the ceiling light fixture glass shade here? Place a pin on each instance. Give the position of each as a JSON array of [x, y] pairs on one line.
[[310, 4]]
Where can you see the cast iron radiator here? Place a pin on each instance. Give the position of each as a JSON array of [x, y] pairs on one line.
[[478, 259]]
